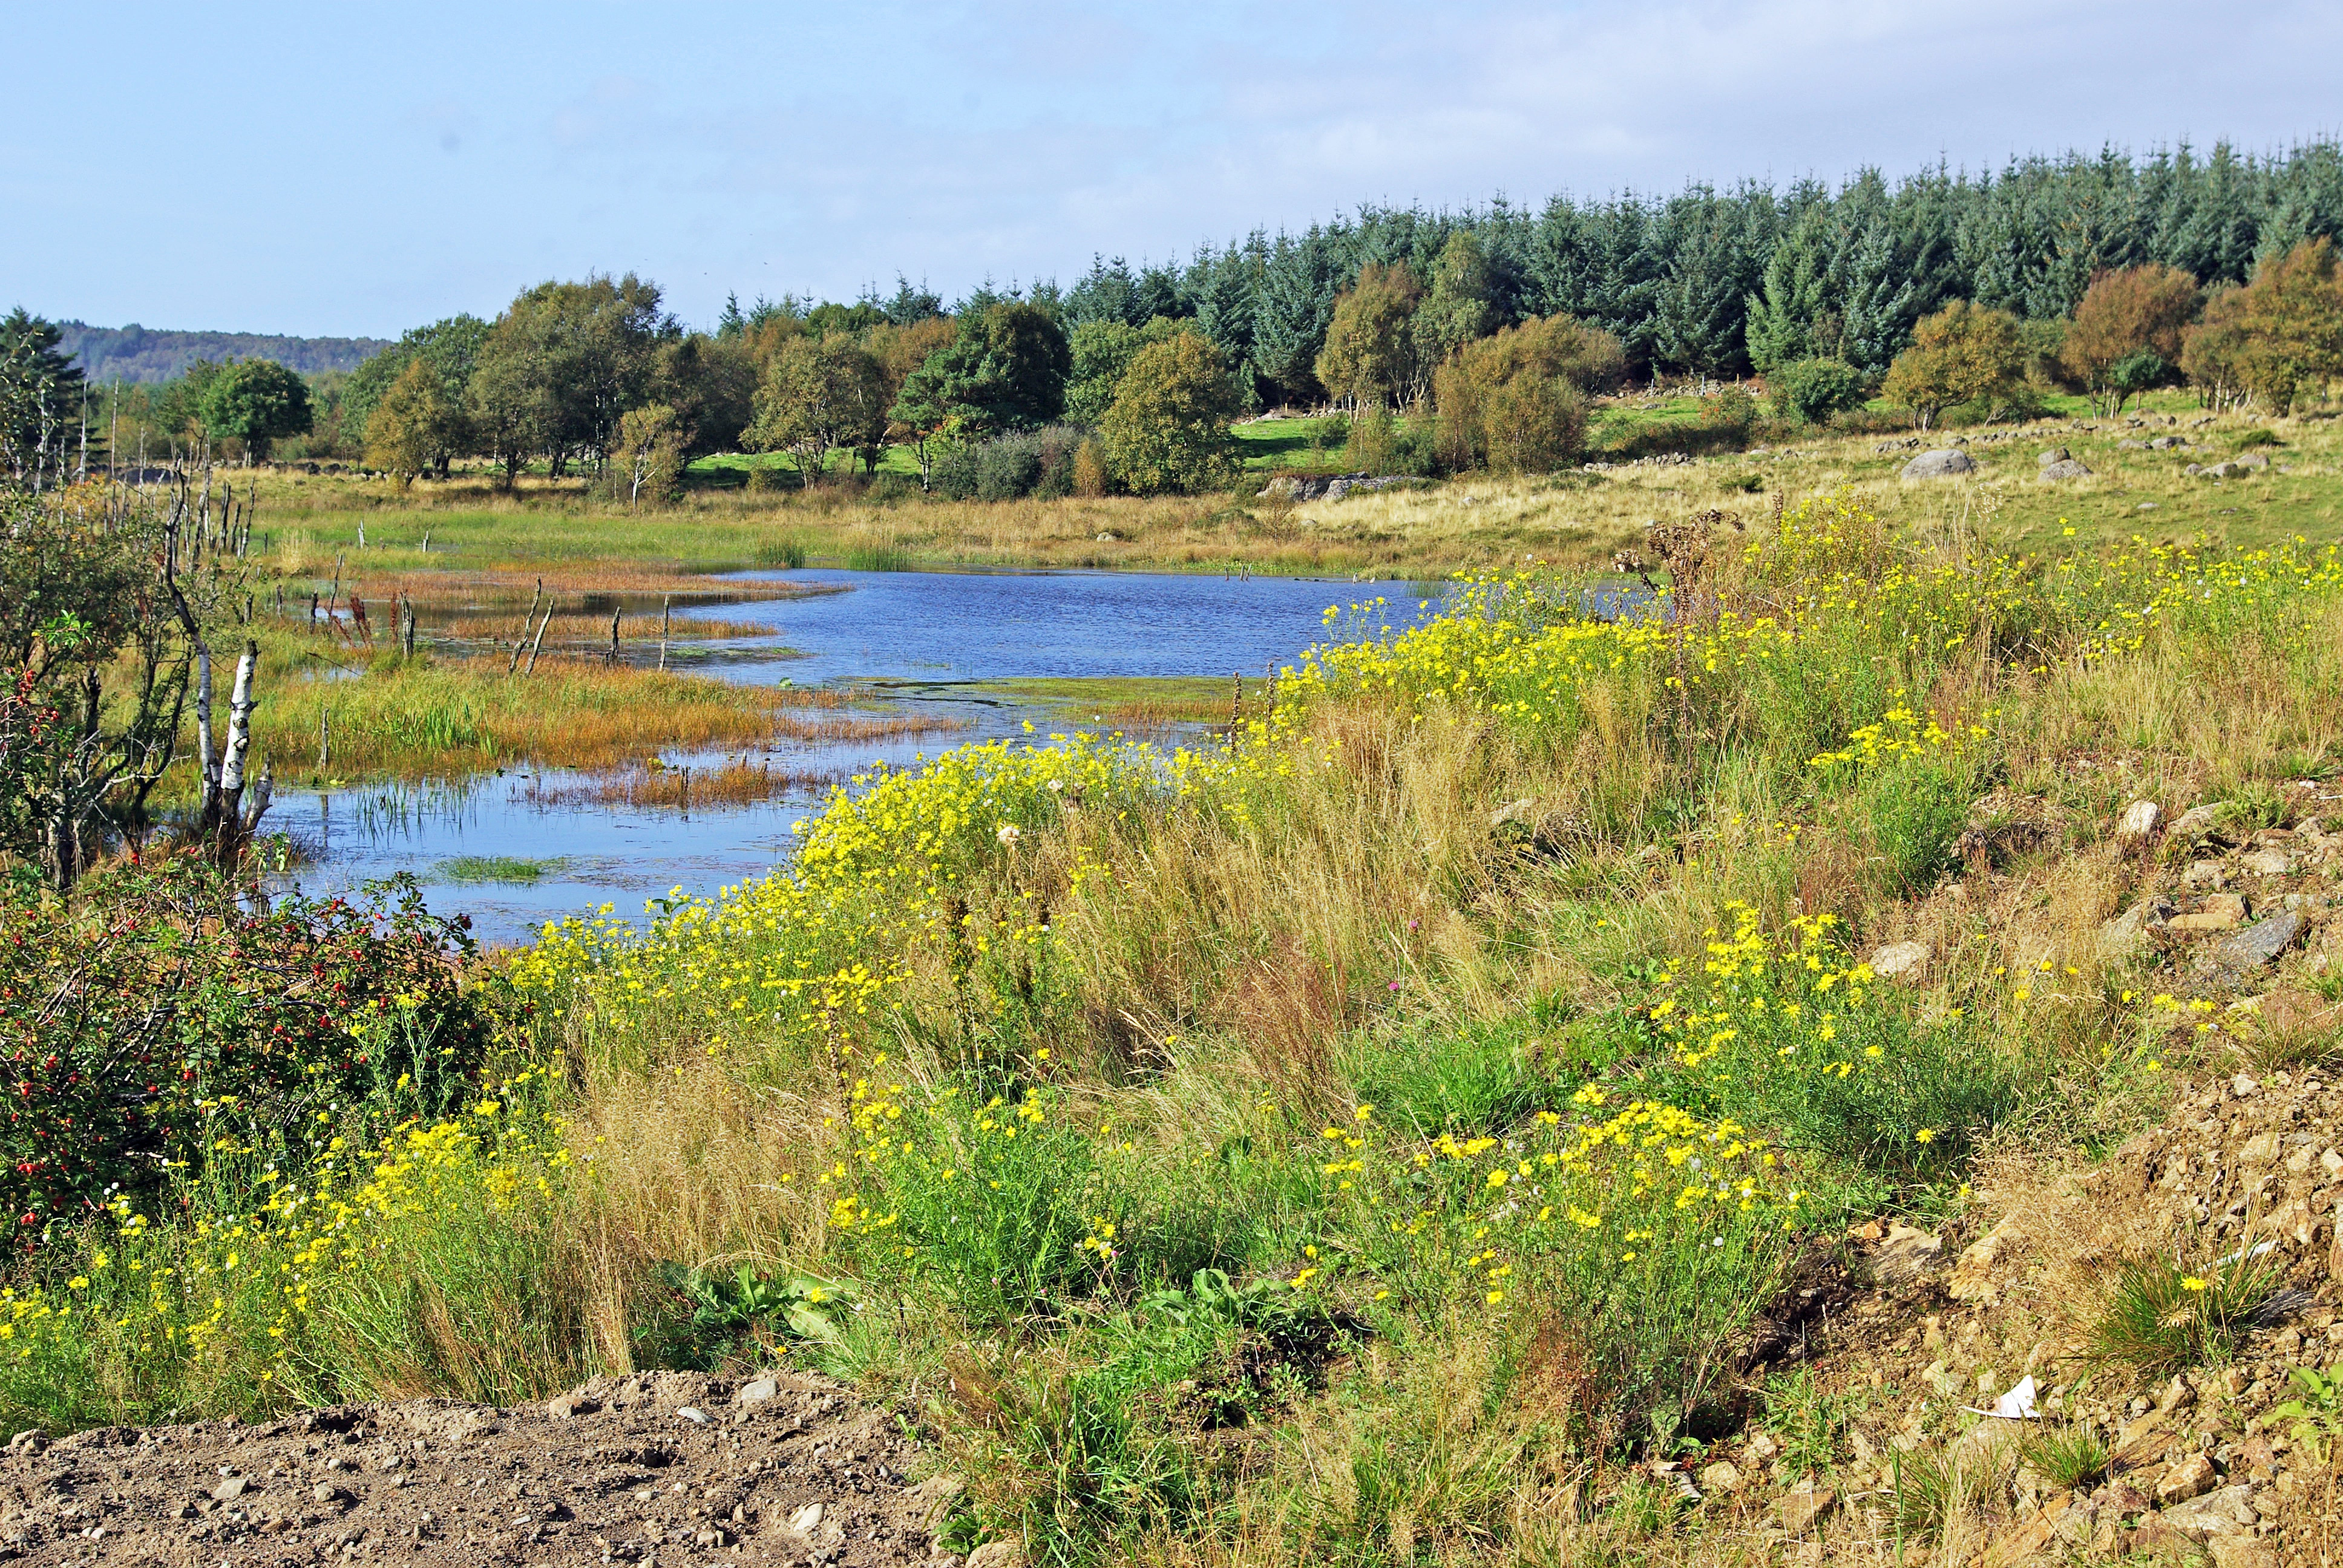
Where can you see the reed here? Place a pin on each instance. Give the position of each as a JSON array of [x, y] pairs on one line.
[[435, 718]]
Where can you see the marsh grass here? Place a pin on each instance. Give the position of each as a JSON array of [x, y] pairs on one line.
[[494, 868], [734, 781], [433, 718]]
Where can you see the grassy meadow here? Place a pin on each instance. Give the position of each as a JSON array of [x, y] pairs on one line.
[[1359, 1139], [1573, 520]]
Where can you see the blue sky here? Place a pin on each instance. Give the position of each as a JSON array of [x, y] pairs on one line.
[[361, 168]]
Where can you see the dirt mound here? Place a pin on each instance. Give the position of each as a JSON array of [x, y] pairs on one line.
[[663, 1467]]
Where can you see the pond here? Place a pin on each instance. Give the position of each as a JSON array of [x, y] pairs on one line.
[[515, 849]]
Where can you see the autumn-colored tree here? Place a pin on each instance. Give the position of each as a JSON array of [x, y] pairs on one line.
[[1370, 359], [1168, 426], [414, 426], [1515, 401], [1962, 353], [2279, 334], [2122, 315]]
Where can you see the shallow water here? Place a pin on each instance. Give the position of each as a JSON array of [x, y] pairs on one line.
[[994, 626], [906, 637]]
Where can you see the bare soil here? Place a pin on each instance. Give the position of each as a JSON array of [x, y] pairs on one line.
[[659, 1468]]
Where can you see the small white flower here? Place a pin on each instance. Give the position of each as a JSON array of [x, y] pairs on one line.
[[1008, 833]]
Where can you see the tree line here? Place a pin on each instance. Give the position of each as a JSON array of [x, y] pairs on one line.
[[1505, 316]]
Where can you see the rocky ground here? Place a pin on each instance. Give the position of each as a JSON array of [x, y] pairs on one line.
[[661, 1468], [1909, 1334]]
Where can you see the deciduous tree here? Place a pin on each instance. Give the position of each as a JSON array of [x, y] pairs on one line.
[[254, 401], [1370, 359], [819, 395], [2279, 334], [1168, 426], [1962, 353], [2124, 314]]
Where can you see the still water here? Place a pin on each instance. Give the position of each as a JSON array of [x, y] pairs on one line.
[[904, 639]]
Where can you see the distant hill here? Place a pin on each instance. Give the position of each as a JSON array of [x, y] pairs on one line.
[[133, 353]]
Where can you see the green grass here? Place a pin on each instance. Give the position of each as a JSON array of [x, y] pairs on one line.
[[2160, 1317], [494, 868], [1278, 445]]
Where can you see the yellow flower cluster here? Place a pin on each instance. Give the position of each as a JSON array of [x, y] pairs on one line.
[[165, 1294]]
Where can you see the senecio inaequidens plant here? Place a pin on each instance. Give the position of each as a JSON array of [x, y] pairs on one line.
[[1031, 1048]]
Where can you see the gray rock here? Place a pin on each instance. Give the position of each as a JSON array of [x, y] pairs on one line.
[[2043, 459], [2065, 469], [2198, 821], [1720, 1477], [563, 1406], [2265, 863], [756, 1393], [2259, 944], [2128, 932], [1942, 464], [234, 1487], [1900, 960], [2246, 460]]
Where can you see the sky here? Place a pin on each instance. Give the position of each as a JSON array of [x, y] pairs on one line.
[[363, 168]]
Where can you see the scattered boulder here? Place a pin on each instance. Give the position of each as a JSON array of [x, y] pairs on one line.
[[1942, 464], [2129, 932], [2246, 460], [2192, 1477], [2065, 469], [2205, 876], [1720, 1477], [1328, 488], [1901, 960], [2197, 822], [234, 1487], [2137, 825], [564, 1406], [2259, 945], [2220, 912], [2265, 863], [2044, 459], [1804, 1507], [757, 1391]]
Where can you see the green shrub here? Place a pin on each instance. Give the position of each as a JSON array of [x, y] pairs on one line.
[[158, 1012], [1914, 812], [1811, 390]]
